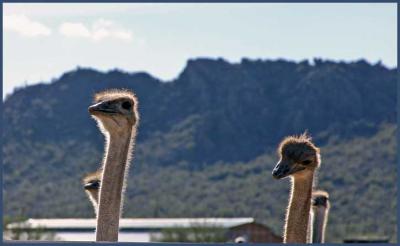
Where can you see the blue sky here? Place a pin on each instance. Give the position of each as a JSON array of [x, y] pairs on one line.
[[41, 41]]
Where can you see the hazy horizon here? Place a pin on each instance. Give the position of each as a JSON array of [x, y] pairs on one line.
[[311, 61]]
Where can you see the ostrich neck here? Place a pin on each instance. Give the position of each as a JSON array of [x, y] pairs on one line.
[[93, 197], [297, 217], [110, 197], [319, 224]]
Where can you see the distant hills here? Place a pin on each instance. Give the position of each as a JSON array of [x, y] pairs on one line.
[[207, 139]]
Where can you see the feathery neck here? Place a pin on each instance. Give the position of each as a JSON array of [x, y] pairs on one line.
[[297, 216], [319, 224], [94, 197], [114, 171]]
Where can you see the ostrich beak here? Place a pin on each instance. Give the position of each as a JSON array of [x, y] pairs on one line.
[[281, 170], [285, 168], [92, 185], [320, 201], [103, 107]]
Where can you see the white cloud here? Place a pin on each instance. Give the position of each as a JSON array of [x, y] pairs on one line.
[[24, 26], [70, 29], [99, 30]]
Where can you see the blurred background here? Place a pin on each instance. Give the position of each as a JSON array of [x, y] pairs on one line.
[[219, 85]]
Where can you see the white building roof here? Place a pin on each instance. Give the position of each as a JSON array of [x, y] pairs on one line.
[[144, 223]]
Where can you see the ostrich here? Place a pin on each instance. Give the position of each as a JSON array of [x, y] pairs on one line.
[[91, 183], [320, 212], [299, 159], [116, 114]]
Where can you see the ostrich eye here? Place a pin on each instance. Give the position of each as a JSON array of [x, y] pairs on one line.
[[126, 105], [306, 162]]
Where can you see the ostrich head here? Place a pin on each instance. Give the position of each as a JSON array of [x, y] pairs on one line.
[[115, 110], [91, 181], [298, 156], [320, 199]]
